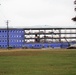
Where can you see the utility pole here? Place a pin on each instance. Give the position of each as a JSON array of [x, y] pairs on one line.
[[7, 33]]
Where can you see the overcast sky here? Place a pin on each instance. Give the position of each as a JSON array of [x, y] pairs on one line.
[[24, 13]]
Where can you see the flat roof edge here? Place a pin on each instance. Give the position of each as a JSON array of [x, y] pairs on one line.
[[38, 28]]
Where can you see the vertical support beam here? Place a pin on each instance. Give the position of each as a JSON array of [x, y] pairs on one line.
[[65, 34], [75, 34], [44, 35], [39, 35], [52, 35], [70, 35], [59, 35]]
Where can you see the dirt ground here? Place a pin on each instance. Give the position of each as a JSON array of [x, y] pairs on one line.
[[43, 49], [13, 50]]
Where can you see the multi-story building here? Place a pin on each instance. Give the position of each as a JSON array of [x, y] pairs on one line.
[[37, 37]]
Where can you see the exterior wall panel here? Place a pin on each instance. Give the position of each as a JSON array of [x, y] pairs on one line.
[[16, 38]]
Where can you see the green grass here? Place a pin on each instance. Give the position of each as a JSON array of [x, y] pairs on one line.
[[46, 62]]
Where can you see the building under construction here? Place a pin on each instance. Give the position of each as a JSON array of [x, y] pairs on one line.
[[37, 37]]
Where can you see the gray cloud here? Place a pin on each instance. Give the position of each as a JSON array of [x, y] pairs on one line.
[[34, 12]]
